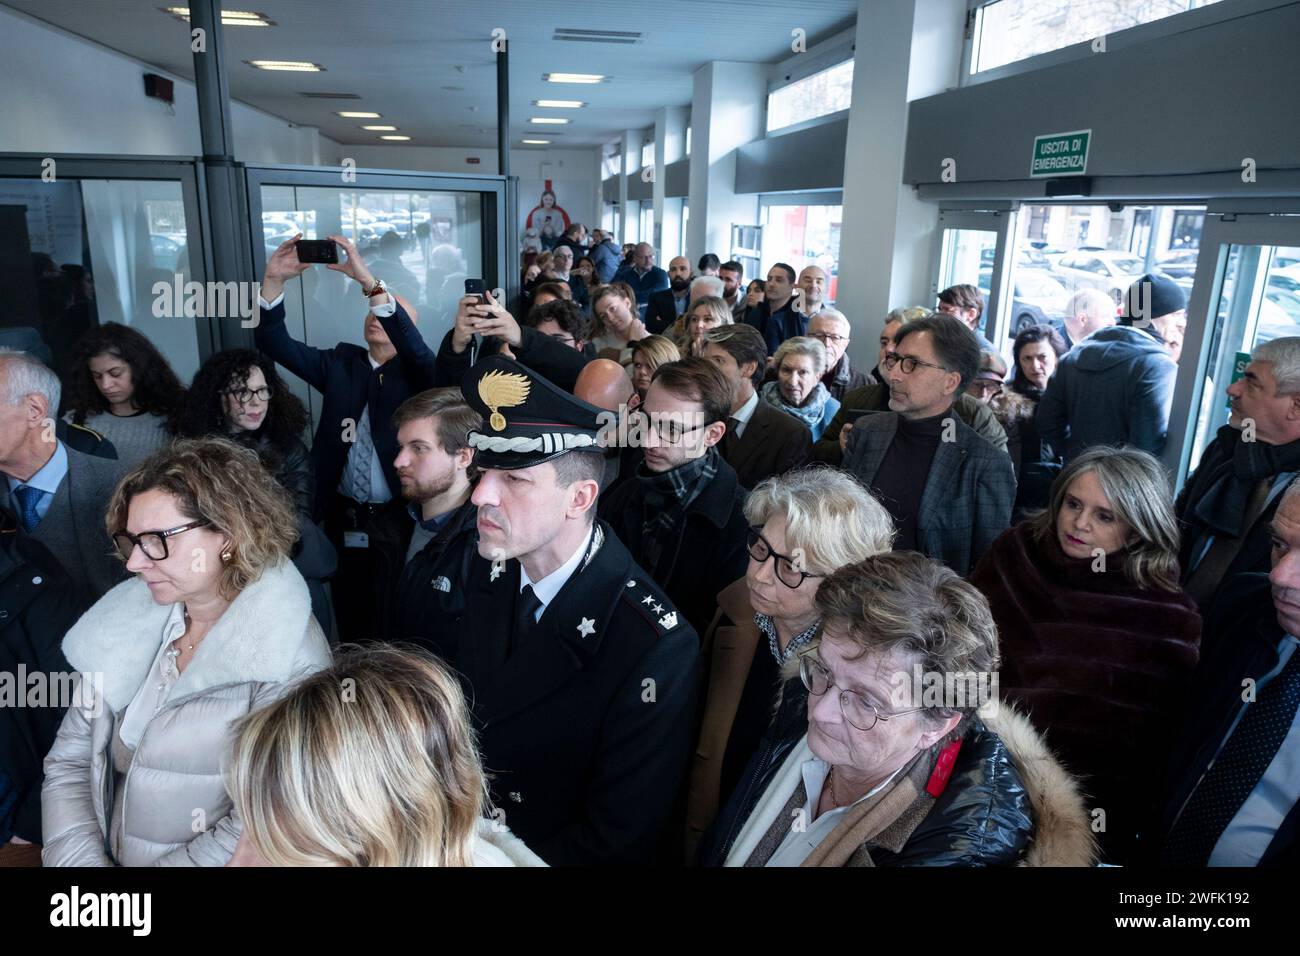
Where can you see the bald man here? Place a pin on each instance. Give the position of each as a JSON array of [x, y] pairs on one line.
[[811, 294], [606, 384], [1087, 311], [667, 306]]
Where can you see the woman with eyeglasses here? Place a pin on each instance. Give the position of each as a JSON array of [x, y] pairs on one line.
[[901, 755], [800, 363], [120, 386], [215, 623], [237, 394], [802, 526]]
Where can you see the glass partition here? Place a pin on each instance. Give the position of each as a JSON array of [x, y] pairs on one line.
[[77, 251]]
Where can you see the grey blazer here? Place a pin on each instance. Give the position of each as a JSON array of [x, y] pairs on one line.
[[968, 493], [73, 528]]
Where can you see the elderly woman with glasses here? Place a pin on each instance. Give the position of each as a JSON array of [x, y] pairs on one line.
[[802, 526], [901, 755], [215, 623]]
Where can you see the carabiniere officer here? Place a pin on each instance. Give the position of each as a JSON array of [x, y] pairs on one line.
[[581, 675]]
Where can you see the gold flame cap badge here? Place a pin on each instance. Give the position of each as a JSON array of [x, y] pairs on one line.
[[500, 390]]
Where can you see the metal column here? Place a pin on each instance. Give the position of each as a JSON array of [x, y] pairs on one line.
[[222, 182]]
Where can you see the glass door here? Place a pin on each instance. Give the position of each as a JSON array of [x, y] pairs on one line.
[[1247, 293], [971, 251]]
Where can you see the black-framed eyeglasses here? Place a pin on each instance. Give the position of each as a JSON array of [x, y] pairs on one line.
[[668, 429], [856, 709], [909, 363], [152, 543], [828, 337], [246, 395], [788, 571]]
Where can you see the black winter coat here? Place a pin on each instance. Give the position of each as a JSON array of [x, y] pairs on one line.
[[982, 818], [412, 595], [710, 549], [38, 603]]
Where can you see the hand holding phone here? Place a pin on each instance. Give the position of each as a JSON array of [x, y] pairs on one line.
[[317, 250]]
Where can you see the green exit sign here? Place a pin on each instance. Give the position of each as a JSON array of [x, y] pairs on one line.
[[1238, 371], [1061, 154]]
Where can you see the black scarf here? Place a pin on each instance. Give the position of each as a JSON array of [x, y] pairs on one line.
[[1222, 508], [667, 496]]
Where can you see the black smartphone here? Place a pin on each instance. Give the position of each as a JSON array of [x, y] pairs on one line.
[[317, 250], [476, 287]]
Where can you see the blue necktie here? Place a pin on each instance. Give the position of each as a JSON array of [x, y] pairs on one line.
[[27, 499], [1236, 771]]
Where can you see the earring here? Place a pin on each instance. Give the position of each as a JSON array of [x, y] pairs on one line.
[[225, 555]]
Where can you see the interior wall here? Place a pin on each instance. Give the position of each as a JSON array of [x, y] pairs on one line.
[[78, 97]]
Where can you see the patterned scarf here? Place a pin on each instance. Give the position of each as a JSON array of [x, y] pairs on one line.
[[667, 496], [766, 625], [810, 412], [1222, 508]]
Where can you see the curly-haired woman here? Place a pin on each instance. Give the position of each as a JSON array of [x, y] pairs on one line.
[[120, 385]]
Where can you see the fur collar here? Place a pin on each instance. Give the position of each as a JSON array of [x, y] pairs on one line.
[[256, 640], [1062, 831]]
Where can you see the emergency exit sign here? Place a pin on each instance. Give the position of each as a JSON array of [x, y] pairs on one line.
[[1060, 154]]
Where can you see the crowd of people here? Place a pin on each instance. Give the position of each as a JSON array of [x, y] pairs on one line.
[[648, 571]]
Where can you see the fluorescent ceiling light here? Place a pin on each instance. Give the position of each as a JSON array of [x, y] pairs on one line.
[[574, 77], [537, 142], [229, 18], [559, 104], [352, 114], [290, 66], [381, 129], [397, 139], [548, 121]]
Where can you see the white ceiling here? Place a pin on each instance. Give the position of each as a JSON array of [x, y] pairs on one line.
[[428, 65]]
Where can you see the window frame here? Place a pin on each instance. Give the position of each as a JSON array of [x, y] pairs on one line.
[[1120, 39]]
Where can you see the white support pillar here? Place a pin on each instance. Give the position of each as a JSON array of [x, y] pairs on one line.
[[905, 50], [670, 146], [727, 111], [631, 148]]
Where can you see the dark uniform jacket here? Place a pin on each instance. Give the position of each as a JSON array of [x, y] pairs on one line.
[[772, 444], [709, 553], [586, 726], [968, 491]]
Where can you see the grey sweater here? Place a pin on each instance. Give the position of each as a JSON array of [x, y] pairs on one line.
[[136, 437]]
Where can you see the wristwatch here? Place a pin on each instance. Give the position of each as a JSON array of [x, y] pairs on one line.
[[375, 289]]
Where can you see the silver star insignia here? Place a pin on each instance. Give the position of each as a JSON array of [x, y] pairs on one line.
[[659, 608], [649, 599], [496, 571], [587, 627]]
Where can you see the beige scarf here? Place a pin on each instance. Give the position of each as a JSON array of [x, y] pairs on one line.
[[886, 819]]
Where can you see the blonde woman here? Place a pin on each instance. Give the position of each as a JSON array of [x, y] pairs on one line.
[[803, 525], [800, 363], [703, 314], [369, 763], [216, 622], [1098, 640], [647, 355], [618, 324]]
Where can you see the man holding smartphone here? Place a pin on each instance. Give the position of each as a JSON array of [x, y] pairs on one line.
[[355, 443]]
